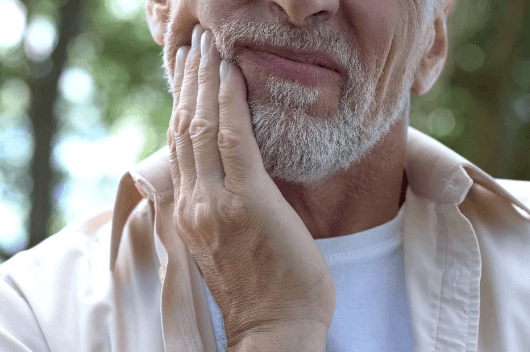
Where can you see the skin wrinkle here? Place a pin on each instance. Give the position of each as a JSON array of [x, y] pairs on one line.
[[336, 152], [385, 73]]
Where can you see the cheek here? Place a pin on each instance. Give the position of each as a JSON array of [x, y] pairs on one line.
[[183, 18], [214, 13], [382, 29], [372, 22]]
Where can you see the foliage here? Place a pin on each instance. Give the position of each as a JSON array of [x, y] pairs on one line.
[[480, 107]]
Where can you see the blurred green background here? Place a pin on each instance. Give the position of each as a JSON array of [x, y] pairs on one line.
[[83, 98]]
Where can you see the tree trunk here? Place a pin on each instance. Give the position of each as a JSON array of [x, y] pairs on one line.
[[44, 94]]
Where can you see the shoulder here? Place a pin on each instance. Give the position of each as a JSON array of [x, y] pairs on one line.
[[518, 188], [503, 234], [499, 206], [74, 241], [64, 290], [39, 287]]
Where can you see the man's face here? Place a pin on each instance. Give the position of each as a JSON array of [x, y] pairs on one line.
[[306, 133]]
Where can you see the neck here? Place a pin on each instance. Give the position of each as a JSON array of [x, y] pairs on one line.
[[364, 196]]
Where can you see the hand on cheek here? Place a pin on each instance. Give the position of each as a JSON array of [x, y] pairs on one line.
[[210, 131], [249, 243]]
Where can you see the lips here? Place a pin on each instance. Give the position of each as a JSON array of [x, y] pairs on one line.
[[300, 55]]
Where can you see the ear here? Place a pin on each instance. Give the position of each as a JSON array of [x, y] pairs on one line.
[[157, 12], [433, 61]]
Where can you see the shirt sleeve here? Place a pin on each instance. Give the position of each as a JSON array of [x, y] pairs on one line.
[[19, 330]]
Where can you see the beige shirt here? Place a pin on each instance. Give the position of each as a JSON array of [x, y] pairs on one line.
[[121, 279]]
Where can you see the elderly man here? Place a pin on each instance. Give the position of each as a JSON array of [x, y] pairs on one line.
[[294, 209]]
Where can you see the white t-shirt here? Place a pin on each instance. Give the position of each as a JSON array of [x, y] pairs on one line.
[[372, 309]]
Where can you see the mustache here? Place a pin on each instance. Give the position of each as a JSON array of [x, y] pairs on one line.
[[229, 36], [319, 37]]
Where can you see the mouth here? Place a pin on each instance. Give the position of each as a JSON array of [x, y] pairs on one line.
[[305, 66], [304, 56]]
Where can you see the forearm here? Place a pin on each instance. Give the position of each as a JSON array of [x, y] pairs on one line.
[[310, 337]]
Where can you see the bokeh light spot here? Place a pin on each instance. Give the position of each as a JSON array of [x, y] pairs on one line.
[[470, 57], [12, 22], [123, 9], [89, 159], [15, 97], [94, 167], [522, 108], [41, 38], [12, 239], [441, 122], [17, 146], [76, 85]]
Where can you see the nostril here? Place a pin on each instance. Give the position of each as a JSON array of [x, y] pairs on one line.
[[323, 15], [277, 9]]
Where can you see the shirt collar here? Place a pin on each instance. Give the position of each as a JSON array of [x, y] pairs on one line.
[[433, 170]]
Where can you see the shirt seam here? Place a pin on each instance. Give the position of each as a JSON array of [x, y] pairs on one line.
[[387, 243], [440, 216], [472, 281], [468, 315]]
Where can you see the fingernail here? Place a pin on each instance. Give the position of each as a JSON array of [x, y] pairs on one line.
[[224, 70], [196, 37], [181, 56], [206, 41]]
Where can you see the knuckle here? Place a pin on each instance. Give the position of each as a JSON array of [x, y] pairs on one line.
[[203, 215], [233, 207], [182, 219], [228, 140], [184, 115], [180, 207], [201, 127]]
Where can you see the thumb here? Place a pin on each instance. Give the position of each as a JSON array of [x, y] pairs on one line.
[[238, 147]]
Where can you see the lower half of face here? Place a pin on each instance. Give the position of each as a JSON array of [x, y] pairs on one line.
[[309, 128]]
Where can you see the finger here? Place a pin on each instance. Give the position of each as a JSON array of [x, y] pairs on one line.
[[185, 113], [176, 84], [239, 150], [180, 62], [174, 164], [205, 124]]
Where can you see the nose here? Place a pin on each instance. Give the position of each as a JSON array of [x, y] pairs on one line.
[[302, 12]]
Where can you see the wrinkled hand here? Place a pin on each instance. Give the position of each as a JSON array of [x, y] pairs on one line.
[[256, 255]]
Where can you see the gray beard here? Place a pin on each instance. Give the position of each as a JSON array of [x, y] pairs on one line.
[[301, 148], [296, 145]]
